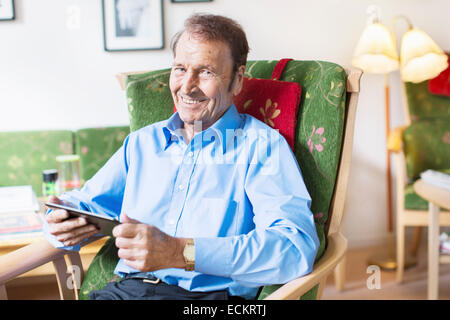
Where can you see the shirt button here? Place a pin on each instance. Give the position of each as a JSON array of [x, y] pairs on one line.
[[190, 154], [180, 187], [171, 221]]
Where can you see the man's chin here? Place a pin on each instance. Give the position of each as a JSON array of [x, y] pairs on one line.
[[187, 118]]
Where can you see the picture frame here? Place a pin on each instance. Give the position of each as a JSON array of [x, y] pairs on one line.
[[184, 1], [7, 10], [132, 25]]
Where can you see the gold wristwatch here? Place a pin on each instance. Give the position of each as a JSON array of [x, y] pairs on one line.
[[189, 255]]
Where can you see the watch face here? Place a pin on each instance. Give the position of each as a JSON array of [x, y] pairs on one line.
[[189, 255], [189, 252]]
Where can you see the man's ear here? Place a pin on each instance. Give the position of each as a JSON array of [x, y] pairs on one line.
[[238, 80]]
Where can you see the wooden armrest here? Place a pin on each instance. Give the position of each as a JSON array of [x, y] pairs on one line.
[[337, 246], [27, 258], [395, 139]]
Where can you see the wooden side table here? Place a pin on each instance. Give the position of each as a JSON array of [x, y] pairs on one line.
[[437, 198]]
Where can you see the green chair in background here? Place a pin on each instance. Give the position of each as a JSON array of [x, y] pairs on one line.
[[423, 143], [25, 154], [96, 145]]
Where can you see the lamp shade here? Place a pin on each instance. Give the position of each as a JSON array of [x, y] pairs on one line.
[[421, 58], [375, 51]]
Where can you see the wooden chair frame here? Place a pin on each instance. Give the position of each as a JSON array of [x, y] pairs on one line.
[[41, 252]]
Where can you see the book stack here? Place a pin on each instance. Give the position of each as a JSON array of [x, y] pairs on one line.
[[19, 218]]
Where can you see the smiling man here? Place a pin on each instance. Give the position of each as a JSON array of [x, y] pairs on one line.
[[194, 229]]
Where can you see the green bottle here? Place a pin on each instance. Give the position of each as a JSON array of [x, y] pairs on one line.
[[49, 187]]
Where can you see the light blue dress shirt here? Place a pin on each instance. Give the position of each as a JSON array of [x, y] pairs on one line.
[[236, 188]]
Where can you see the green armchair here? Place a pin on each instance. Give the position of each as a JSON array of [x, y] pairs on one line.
[[323, 147], [421, 144]]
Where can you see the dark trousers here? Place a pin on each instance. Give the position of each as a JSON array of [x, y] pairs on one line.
[[135, 288]]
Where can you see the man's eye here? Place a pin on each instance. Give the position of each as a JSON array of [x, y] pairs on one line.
[[207, 73], [179, 69]]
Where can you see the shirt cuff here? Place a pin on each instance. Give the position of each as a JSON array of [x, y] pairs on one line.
[[211, 253]]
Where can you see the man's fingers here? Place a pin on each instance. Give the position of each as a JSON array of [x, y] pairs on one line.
[[78, 239], [67, 225], [127, 254], [55, 199], [135, 264], [126, 219], [125, 230], [75, 233], [125, 243], [57, 216]]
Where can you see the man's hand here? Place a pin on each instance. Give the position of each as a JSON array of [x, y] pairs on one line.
[[68, 231], [146, 248]]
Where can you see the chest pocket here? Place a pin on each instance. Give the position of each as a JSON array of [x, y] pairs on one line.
[[213, 217]]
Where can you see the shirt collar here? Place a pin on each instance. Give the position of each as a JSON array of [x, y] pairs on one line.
[[220, 132]]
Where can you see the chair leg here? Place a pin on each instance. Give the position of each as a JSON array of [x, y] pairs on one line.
[[339, 274], [416, 241], [433, 252], [63, 278], [400, 252], [322, 285], [3, 295]]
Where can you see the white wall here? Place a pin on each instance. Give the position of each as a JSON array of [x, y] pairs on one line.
[[55, 77]]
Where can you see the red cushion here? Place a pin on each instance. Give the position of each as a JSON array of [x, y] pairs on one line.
[[441, 84], [272, 101]]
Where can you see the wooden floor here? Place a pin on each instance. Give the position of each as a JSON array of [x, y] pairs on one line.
[[414, 286]]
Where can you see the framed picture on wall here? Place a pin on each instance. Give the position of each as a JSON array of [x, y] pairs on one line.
[[7, 10], [132, 25], [191, 1]]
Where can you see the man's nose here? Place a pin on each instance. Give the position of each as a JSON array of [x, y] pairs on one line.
[[190, 82]]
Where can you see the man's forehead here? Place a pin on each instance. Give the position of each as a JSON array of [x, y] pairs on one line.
[[192, 44]]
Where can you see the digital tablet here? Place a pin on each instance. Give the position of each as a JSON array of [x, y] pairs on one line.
[[105, 224]]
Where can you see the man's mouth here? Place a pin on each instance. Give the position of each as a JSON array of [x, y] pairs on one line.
[[191, 101]]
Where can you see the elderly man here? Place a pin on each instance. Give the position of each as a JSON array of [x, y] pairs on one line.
[[212, 202]]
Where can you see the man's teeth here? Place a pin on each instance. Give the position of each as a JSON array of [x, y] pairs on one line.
[[189, 101]]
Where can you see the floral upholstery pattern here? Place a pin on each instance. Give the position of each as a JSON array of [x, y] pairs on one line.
[[25, 154], [96, 145], [318, 134], [99, 273]]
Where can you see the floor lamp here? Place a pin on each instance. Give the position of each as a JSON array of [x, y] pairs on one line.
[[420, 59]]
